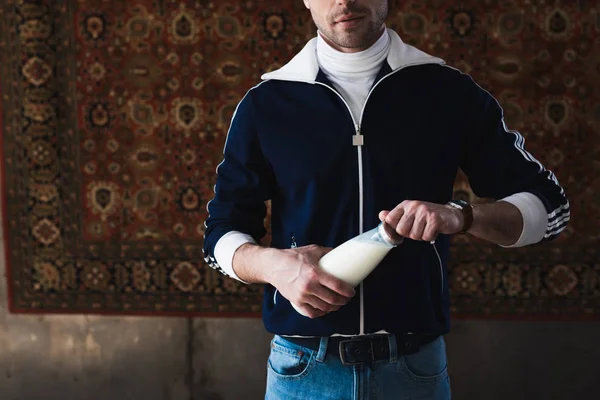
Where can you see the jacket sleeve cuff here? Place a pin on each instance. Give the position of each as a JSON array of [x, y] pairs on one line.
[[226, 247], [535, 218]]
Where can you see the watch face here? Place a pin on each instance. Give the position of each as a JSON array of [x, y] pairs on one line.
[[460, 204]]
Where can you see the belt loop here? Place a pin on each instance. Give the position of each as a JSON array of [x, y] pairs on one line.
[[322, 349], [393, 348]]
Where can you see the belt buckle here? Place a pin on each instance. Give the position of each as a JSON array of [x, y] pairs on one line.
[[343, 353]]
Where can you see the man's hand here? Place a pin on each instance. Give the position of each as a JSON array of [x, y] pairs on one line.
[[421, 220], [299, 279], [295, 273]]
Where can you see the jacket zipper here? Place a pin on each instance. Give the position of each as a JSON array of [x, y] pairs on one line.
[[358, 141]]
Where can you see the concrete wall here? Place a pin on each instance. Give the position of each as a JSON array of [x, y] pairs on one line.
[[494, 360]]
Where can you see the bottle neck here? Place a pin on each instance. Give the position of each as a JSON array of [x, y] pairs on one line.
[[388, 235]]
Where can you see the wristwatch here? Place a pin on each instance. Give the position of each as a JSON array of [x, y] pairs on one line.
[[467, 211]]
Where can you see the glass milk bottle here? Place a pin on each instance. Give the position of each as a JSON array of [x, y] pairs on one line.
[[355, 259]]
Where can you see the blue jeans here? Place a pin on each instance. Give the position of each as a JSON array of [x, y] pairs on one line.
[[296, 372]]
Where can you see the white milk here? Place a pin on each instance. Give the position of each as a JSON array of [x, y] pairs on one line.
[[354, 260]]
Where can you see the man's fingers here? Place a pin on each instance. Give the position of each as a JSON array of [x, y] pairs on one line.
[[329, 296], [430, 233], [383, 215], [418, 226], [417, 220], [394, 216], [337, 286], [405, 225], [310, 311], [321, 305]]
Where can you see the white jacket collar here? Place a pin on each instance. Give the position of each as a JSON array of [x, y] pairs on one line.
[[304, 67]]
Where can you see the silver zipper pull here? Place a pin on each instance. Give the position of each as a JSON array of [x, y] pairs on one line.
[[294, 245], [358, 139]]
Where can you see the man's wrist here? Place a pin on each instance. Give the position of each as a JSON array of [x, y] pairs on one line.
[[251, 262], [464, 210]]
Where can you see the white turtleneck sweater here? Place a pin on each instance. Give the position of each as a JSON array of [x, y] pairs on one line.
[[353, 75]]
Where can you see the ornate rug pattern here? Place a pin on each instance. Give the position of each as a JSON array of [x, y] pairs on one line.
[[114, 116]]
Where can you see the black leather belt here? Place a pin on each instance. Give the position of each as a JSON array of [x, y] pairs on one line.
[[366, 349]]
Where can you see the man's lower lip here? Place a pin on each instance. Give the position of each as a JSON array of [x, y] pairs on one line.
[[349, 23]]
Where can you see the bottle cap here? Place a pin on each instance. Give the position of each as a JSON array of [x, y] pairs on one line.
[[389, 235]]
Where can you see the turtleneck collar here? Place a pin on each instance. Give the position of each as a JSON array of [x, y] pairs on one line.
[[363, 65]]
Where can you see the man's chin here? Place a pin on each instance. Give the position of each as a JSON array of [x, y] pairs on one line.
[[351, 37], [350, 43]]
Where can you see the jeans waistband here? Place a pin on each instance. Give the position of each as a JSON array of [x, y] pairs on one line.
[[362, 349]]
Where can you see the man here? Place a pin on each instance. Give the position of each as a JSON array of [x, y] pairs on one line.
[[360, 128]]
